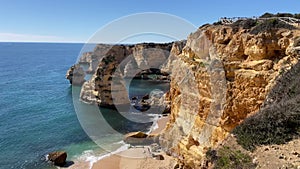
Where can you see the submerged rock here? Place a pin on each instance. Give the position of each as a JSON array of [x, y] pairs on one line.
[[156, 100], [58, 158]]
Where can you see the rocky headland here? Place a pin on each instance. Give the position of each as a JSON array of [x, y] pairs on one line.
[[76, 75], [225, 80], [223, 75], [110, 64]]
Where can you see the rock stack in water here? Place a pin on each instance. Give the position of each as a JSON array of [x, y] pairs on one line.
[[76, 75], [107, 87], [58, 158]]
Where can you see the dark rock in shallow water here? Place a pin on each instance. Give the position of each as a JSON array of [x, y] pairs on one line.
[[146, 97], [58, 158], [134, 98], [143, 107]]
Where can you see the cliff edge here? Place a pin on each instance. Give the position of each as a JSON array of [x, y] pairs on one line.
[[222, 76]]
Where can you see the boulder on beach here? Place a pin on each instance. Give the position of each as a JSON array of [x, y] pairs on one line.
[[58, 157], [159, 157], [137, 134], [135, 138], [140, 138]]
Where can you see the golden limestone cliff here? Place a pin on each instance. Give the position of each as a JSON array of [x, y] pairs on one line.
[[114, 63], [220, 77]]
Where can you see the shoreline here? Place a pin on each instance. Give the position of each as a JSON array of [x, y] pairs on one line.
[[137, 157], [161, 123], [133, 157]]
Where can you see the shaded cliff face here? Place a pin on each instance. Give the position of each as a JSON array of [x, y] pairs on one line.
[[75, 75], [116, 62], [221, 77]]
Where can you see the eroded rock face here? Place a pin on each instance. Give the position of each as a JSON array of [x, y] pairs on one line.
[[221, 77], [110, 88], [86, 57], [175, 50], [75, 75], [150, 55], [115, 62], [88, 93]]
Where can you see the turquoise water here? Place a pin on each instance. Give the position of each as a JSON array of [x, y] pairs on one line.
[[37, 113]]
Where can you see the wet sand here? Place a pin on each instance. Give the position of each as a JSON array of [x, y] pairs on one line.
[[132, 158], [138, 157]]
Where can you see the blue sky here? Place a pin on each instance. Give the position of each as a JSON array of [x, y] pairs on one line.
[[78, 20]]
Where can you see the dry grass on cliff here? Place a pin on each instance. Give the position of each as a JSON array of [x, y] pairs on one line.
[[255, 27], [279, 119], [229, 158], [269, 25], [229, 155], [273, 125], [269, 15]]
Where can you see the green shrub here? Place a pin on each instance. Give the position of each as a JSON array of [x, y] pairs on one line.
[[278, 121], [245, 24], [227, 158], [273, 125], [217, 23], [202, 64], [98, 78], [269, 15], [284, 15], [297, 16], [269, 25]]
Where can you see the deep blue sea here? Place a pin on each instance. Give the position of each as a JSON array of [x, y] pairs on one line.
[[37, 113]]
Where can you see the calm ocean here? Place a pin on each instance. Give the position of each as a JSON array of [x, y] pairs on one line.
[[37, 113]]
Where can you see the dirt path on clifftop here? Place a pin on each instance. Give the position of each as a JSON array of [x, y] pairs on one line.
[[284, 156]]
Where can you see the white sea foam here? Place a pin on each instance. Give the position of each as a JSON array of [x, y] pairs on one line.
[[154, 126], [120, 142], [91, 157]]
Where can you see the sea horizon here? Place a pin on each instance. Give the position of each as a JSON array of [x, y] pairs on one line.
[[38, 114]]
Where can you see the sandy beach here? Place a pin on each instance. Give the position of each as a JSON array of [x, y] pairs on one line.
[[133, 158], [162, 122], [138, 157]]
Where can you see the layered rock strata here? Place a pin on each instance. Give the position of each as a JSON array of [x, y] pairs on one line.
[[221, 77], [76, 75], [116, 62]]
